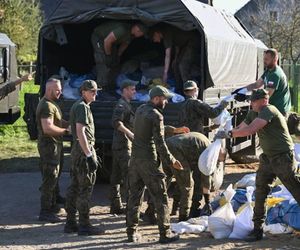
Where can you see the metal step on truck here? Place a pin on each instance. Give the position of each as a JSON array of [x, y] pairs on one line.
[[229, 56]]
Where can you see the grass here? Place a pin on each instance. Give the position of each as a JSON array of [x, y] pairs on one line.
[[14, 139]]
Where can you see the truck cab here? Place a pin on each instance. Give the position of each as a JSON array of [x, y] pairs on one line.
[[9, 109]]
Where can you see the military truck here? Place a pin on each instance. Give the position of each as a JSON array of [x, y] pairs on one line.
[[230, 57], [9, 109]]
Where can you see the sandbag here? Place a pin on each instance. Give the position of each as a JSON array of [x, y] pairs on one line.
[[246, 181], [277, 228], [243, 223], [208, 160], [185, 227], [220, 223]]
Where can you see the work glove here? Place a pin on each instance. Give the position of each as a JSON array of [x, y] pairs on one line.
[[224, 104], [237, 90], [222, 135], [92, 163], [240, 97]]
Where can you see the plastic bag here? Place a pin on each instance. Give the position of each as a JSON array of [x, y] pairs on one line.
[[243, 223], [222, 118], [185, 227], [246, 181], [297, 151], [208, 160], [277, 228], [221, 222]]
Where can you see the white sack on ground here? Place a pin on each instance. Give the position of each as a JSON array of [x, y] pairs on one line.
[[220, 223]]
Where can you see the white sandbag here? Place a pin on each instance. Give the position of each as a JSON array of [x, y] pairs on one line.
[[277, 228], [222, 118], [243, 223], [246, 181], [185, 227], [202, 221], [208, 160], [220, 223], [297, 151]]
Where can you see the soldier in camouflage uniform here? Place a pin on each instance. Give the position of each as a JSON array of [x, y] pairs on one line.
[[11, 86], [145, 168], [84, 163], [194, 111], [110, 39], [187, 148], [122, 121], [277, 158], [51, 128]]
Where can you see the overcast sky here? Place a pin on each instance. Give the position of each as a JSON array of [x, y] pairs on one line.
[[230, 5]]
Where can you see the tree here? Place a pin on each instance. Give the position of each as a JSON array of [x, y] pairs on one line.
[[277, 23], [21, 21]]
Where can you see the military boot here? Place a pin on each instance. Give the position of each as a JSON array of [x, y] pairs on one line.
[[56, 209], [194, 212], [168, 237], [71, 227], [117, 207], [87, 230], [134, 237], [255, 235], [49, 216]]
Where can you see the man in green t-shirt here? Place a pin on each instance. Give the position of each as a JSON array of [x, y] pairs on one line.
[[186, 44], [110, 39], [84, 163], [277, 158], [51, 128], [275, 81]]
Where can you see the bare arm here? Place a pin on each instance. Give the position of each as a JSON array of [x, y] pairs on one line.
[[80, 131], [245, 130], [49, 128], [124, 130], [108, 42], [167, 63], [259, 83]]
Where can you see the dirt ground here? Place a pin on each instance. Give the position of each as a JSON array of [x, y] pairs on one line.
[[20, 228]]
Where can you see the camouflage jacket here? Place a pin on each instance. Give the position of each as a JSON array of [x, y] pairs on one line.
[[149, 135], [194, 111], [122, 112]]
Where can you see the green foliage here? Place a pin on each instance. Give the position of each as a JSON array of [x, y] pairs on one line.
[[21, 21]]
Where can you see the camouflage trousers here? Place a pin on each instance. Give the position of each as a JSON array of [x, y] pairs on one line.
[[80, 190], [51, 161], [147, 173], [118, 177], [284, 167]]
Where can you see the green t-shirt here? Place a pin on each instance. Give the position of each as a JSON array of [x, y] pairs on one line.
[[121, 30], [281, 98], [48, 109], [81, 113], [274, 138]]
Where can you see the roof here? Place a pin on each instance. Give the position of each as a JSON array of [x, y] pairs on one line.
[[231, 51], [4, 40]]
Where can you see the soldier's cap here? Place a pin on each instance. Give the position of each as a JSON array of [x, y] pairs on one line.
[[160, 91], [189, 85], [259, 94], [142, 27], [127, 82], [89, 85]]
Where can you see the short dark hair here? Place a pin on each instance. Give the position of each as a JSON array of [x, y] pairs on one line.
[[272, 52]]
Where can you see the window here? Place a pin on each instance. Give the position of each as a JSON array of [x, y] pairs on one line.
[[3, 67], [274, 16]]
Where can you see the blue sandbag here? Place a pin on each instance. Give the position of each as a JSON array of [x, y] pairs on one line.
[[286, 213]]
